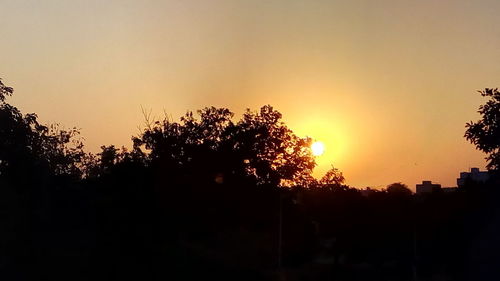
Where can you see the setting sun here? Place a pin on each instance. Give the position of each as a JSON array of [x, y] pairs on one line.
[[317, 148]]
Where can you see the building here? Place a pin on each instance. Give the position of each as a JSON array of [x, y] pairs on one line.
[[427, 187], [474, 175]]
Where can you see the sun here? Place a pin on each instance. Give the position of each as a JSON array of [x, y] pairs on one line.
[[317, 148]]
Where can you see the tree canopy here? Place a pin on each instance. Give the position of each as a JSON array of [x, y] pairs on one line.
[[399, 188], [29, 150], [485, 133], [259, 147], [204, 146]]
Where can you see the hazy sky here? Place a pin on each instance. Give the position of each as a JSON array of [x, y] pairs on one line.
[[387, 85]]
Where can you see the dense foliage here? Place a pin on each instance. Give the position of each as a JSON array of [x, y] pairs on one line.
[[259, 147], [485, 133], [30, 150]]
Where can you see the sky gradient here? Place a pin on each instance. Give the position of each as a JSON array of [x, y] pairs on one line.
[[387, 85]]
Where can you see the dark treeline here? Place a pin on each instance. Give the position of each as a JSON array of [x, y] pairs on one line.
[[208, 198]]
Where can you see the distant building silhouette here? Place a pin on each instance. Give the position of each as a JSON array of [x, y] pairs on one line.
[[427, 187], [474, 175]]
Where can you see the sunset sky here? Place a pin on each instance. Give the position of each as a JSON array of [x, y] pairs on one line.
[[387, 86]]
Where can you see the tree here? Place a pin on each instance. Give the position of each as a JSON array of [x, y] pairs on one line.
[[4, 91], [332, 178], [29, 149], [485, 133], [271, 151], [398, 188], [259, 146]]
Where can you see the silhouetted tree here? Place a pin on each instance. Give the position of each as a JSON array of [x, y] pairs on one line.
[[333, 178], [272, 152], [108, 157], [4, 91], [259, 146], [485, 133], [398, 188], [28, 148]]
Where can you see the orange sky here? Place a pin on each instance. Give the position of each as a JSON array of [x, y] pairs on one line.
[[386, 85]]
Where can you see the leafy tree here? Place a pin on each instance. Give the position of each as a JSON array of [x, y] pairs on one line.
[[110, 159], [29, 149], [332, 178], [4, 91], [485, 133], [307, 181], [190, 146], [398, 188], [259, 147], [273, 153]]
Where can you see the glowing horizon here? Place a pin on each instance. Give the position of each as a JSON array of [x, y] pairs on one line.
[[386, 86]]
